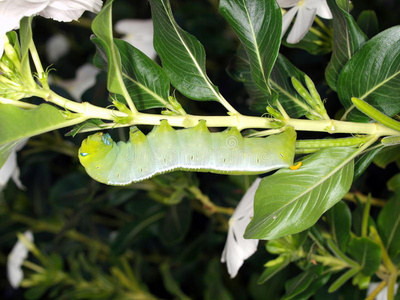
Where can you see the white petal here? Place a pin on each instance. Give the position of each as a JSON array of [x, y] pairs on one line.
[[287, 19], [90, 5], [323, 10], [12, 11], [15, 177], [305, 18], [56, 47], [138, 33], [15, 260], [85, 79], [237, 249], [2, 41], [383, 293], [8, 169], [67, 11], [287, 3]]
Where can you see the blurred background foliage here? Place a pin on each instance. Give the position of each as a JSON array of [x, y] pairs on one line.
[[158, 238]]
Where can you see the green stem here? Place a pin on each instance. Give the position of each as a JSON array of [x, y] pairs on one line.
[[210, 206], [38, 65], [323, 26], [378, 289], [17, 103], [339, 254], [365, 219], [393, 270], [235, 120]]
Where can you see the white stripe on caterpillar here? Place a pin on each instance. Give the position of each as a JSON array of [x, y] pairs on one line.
[[194, 149]]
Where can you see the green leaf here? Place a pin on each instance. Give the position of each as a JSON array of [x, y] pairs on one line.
[[300, 283], [379, 59], [129, 233], [214, 286], [25, 35], [271, 271], [103, 29], [387, 156], [299, 197], [339, 219], [182, 55], [389, 225], [394, 183], [343, 279], [258, 24], [315, 285], [171, 285], [367, 253], [347, 40], [18, 124], [280, 81], [146, 82], [363, 161], [176, 223], [368, 22]]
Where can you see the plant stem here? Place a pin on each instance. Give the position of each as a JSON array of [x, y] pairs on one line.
[[363, 199], [378, 289], [235, 120], [38, 65], [210, 206], [17, 103]]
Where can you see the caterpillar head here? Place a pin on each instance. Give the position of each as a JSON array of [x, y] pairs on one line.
[[95, 147]]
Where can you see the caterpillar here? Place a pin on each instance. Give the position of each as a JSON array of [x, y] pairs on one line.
[[165, 149]]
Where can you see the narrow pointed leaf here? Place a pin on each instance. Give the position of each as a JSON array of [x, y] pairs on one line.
[[18, 124], [258, 25], [25, 34], [301, 282], [381, 88], [348, 39], [146, 82], [182, 55], [291, 201], [102, 28], [271, 271]]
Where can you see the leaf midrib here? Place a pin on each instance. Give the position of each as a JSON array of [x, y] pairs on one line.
[[189, 52], [256, 47], [147, 90], [330, 174]]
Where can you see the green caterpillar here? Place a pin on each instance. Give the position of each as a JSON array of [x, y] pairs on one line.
[[194, 149]]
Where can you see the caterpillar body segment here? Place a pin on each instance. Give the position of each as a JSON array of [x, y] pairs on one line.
[[165, 149]]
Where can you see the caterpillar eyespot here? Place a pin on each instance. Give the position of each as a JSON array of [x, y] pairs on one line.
[[165, 149], [296, 166]]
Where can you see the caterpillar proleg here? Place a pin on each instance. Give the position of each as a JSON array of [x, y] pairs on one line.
[[165, 149]]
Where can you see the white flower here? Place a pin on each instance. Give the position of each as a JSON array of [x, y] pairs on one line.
[[15, 260], [56, 47], [138, 33], [237, 249], [12, 11], [85, 78], [10, 169], [382, 295], [306, 11]]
